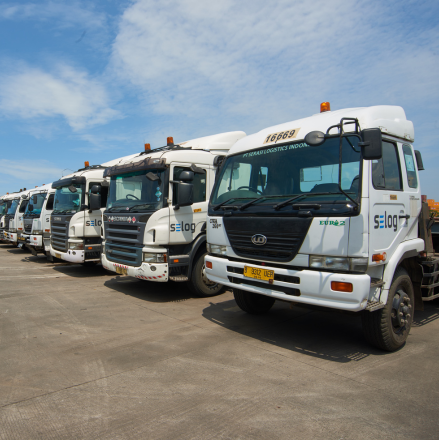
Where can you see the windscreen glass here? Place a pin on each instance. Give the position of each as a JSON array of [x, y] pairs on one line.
[[68, 201], [35, 205], [136, 192], [3, 209], [278, 173], [13, 206]]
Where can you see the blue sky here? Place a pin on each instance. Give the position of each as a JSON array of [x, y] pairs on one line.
[[96, 80]]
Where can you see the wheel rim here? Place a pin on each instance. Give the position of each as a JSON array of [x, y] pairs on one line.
[[206, 280], [401, 308]]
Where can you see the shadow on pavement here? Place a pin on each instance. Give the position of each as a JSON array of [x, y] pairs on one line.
[[150, 291], [429, 314], [325, 334]]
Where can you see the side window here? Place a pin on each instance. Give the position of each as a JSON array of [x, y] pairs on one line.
[[103, 192], [49, 204], [410, 166], [199, 183], [23, 206], [386, 172]]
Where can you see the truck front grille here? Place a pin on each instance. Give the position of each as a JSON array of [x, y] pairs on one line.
[[123, 253], [284, 236], [59, 235], [27, 223]]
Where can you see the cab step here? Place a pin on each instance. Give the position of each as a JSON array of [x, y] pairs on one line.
[[374, 305], [179, 278]]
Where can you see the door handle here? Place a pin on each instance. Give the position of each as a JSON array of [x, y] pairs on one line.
[[407, 216]]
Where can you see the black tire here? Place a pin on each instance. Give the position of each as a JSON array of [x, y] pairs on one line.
[[199, 285], [253, 303], [388, 328]]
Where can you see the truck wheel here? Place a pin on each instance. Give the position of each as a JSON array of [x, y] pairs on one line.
[[199, 284], [388, 328], [253, 303]]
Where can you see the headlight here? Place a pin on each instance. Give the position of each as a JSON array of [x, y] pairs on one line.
[[338, 263], [37, 231], [154, 258], [12, 230], [77, 246], [216, 249]]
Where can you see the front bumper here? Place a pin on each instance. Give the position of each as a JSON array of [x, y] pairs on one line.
[[144, 272], [36, 240], [23, 238], [76, 255], [313, 287], [11, 236]]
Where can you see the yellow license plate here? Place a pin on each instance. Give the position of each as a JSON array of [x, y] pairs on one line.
[[121, 270], [258, 274], [57, 255], [21, 238]]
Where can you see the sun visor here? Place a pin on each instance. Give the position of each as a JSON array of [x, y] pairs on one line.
[[145, 164], [69, 181]]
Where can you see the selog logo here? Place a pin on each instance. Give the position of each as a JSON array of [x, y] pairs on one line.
[[93, 223], [386, 221], [181, 227]]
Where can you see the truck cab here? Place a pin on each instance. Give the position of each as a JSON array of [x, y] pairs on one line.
[[14, 217], [75, 226], [4, 206], [37, 219], [324, 211], [155, 219]]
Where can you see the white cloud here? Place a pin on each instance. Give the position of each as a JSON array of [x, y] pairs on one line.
[[34, 172], [30, 92], [59, 14], [272, 61]]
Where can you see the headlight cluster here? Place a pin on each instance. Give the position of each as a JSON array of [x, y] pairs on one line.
[[76, 246], [37, 231], [154, 258], [218, 249], [338, 263]]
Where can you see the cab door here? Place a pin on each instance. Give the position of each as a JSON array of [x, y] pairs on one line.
[[187, 222], [389, 202], [47, 212]]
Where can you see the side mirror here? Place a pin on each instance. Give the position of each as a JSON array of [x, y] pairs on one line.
[[186, 176], [95, 201], [34, 199], [95, 189], [185, 195], [372, 145], [419, 160], [30, 207]]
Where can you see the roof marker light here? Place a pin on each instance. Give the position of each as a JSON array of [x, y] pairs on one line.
[[147, 147], [170, 140], [86, 163], [325, 107]]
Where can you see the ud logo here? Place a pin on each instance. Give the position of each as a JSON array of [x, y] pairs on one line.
[[259, 239]]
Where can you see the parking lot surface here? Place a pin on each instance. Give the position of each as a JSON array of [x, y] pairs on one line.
[[85, 354]]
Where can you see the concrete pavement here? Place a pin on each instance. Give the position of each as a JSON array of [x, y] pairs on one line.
[[85, 354]]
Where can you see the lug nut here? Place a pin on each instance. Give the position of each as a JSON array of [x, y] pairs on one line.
[[408, 316]]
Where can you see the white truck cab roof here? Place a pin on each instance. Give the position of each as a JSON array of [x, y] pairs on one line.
[[389, 118]]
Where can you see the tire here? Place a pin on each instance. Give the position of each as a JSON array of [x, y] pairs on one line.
[[386, 328], [199, 285], [253, 303]]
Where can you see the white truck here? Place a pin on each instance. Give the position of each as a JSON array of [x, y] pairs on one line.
[[325, 211], [75, 226], [36, 219], [155, 221], [14, 217]]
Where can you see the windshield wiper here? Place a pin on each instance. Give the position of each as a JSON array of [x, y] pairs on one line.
[[215, 208], [251, 202], [116, 208], [140, 204], [284, 203]]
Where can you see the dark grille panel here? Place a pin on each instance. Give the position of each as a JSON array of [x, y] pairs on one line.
[[126, 227], [112, 234], [123, 253], [284, 236], [27, 223], [59, 232]]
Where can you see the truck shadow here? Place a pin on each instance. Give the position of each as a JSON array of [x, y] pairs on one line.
[[80, 270], [324, 334], [148, 290]]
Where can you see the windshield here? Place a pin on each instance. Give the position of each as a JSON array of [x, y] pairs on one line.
[[136, 192], [3, 208], [13, 206], [67, 201], [278, 173], [35, 204]]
